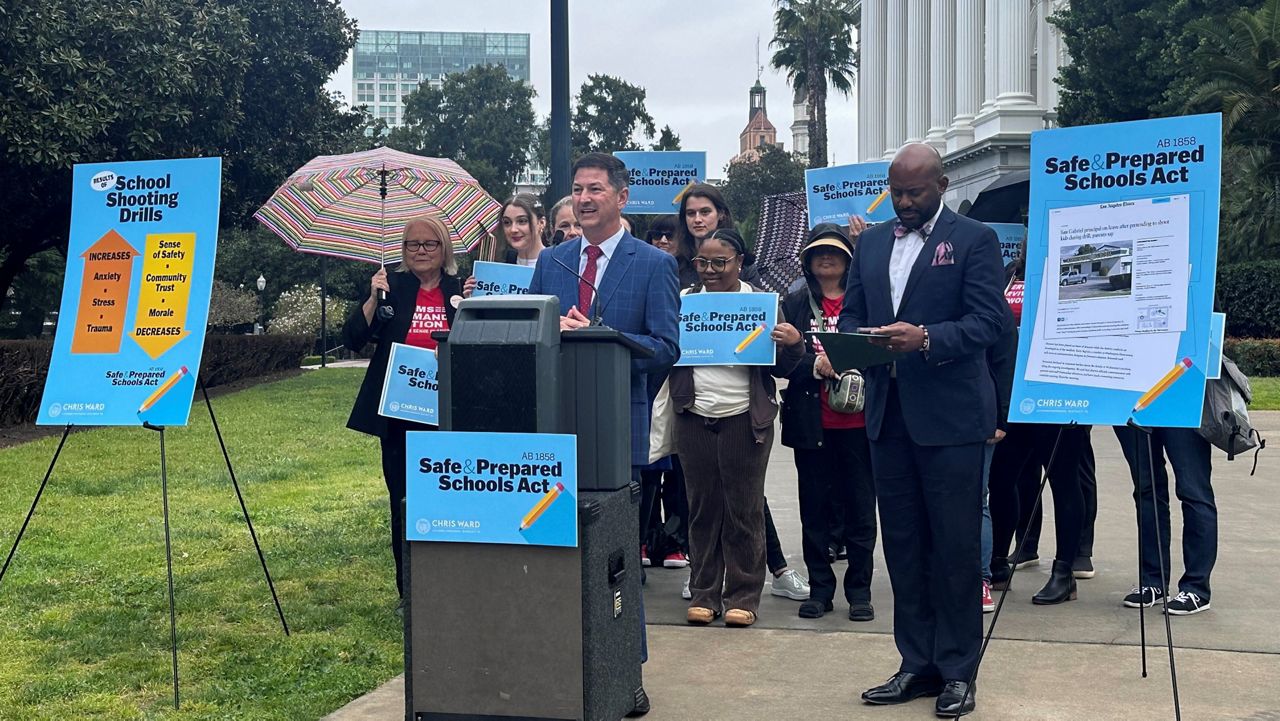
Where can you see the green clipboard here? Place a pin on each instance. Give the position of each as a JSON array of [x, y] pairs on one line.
[[854, 350]]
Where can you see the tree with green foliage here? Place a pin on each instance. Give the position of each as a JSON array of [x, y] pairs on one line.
[[101, 82], [749, 181], [608, 115], [482, 118], [1158, 36], [813, 41], [667, 140]]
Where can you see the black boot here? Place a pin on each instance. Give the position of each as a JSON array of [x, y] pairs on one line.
[[1060, 588], [1000, 572]]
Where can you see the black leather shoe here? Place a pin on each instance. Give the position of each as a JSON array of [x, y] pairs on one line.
[[642, 704], [862, 612], [958, 696], [901, 688]]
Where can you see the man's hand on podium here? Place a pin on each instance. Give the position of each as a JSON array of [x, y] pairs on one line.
[[574, 320]]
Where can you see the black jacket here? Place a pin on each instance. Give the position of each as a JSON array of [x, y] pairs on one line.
[[1002, 357], [357, 333], [801, 412]]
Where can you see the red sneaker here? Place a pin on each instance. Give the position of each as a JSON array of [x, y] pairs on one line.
[[988, 603], [676, 560], [644, 557]]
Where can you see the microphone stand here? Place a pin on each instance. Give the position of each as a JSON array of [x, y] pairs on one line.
[[597, 308]]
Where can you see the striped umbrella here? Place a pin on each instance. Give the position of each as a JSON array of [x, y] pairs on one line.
[[353, 206]]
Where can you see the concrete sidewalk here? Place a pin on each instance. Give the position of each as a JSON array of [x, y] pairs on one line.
[[1078, 660]]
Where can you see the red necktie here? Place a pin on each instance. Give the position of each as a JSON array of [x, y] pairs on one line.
[[589, 279]]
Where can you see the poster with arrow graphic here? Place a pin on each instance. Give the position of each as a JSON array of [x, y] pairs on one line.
[[135, 301]]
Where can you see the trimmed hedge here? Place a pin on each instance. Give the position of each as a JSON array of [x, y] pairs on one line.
[[1249, 293], [227, 358], [1254, 356]]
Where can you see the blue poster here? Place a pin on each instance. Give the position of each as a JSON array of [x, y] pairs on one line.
[[727, 329], [1010, 235], [1121, 258], [512, 488], [861, 189], [501, 278], [1217, 335], [411, 390], [135, 301], [659, 176]]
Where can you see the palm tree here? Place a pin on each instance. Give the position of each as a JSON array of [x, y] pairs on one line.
[[813, 43], [1238, 73]]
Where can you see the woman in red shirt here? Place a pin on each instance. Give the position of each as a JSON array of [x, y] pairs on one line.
[[832, 456], [421, 296]]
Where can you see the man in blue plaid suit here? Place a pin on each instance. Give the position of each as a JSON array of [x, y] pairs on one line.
[[638, 291]]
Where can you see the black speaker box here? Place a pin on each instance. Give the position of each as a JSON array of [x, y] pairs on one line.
[[542, 633]]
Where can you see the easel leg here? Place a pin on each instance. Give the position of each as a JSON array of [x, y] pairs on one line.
[[991, 629], [65, 432], [1142, 616], [1164, 582], [244, 509], [168, 558]]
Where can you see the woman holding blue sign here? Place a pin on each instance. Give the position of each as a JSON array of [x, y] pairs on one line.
[[524, 230], [724, 433], [420, 293]]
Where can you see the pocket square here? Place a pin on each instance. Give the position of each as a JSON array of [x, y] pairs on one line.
[[944, 255]]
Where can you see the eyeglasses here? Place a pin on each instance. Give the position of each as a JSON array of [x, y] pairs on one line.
[[718, 264], [414, 246]]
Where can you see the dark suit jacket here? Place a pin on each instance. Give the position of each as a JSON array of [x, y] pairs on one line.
[[357, 333], [639, 297], [947, 396]]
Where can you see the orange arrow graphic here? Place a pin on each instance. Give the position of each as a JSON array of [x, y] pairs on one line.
[[163, 293], [104, 295]]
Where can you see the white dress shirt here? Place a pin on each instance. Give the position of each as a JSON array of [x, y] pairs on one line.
[[905, 252], [607, 249]]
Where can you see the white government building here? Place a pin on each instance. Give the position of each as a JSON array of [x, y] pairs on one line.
[[973, 78]]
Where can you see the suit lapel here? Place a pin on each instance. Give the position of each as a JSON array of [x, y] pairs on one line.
[[622, 258], [941, 232], [879, 260], [568, 290]]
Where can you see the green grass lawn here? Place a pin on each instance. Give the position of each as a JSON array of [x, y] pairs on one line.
[[84, 622], [1266, 394]]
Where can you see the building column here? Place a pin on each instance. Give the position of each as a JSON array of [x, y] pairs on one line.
[[1048, 56], [1014, 109], [990, 53], [918, 71], [970, 32], [942, 75], [871, 82], [895, 74]]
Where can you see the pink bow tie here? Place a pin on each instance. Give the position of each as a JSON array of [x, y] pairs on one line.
[[900, 230]]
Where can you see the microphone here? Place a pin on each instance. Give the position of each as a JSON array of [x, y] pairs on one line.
[[557, 238], [597, 309]]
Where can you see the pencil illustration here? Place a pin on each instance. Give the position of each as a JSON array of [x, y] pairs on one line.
[[749, 339], [1162, 385], [541, 506], [164, 388], [876, 203]]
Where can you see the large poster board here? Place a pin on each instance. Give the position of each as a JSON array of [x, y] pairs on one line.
[[135, 301], [1121, 259]]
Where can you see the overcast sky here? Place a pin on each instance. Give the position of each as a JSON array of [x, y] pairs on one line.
[[696, 59]]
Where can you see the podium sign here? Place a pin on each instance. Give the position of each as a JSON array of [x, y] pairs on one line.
[[511, 488]]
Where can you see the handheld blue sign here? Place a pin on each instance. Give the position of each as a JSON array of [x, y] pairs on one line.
[[501, 278], [861, 189], [658, 178], [411, 389], [721, 329]]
